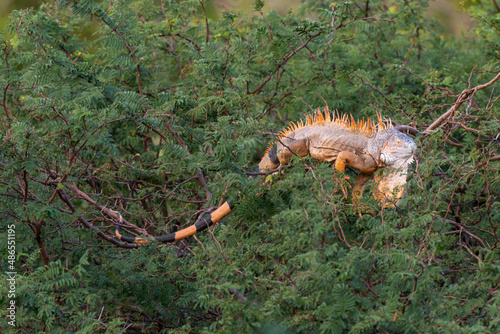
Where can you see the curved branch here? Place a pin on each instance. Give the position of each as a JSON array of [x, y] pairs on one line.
[[407, 130], [113, 214], [458, 103], [65, 199]]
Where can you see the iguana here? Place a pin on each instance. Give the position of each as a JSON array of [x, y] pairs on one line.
[[366, 146]]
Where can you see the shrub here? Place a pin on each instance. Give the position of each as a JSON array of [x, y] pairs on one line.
[[160, 111]]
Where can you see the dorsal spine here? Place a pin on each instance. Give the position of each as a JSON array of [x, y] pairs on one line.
[[366, 127]]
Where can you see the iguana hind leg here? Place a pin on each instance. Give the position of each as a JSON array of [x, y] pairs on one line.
[[269, 160], [292, 147], [282, 153]]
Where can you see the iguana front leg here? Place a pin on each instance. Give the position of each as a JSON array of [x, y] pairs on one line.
[[359, 185], [363, 163]]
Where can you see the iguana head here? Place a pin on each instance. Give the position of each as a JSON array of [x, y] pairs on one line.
[[396, 154], [398, 150]]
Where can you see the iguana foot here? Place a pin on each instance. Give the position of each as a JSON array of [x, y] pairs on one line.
[[361, 208], [342, 181]]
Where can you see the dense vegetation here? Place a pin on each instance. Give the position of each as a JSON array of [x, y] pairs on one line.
[[159, 114]]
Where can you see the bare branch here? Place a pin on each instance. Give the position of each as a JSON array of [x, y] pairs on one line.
[[206, 19], [467, 93], [113, 214]]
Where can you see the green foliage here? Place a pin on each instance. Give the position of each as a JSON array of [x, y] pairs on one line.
[[160, 113]]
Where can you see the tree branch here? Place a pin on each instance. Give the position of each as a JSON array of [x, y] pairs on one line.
[[113, 214], [458, 103], [64, 197], [285, 60], [206, 19]]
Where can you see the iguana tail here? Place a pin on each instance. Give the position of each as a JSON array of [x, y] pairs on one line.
[[200, 225], [269, 161]]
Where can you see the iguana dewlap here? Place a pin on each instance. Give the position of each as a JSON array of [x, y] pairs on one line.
[[364, 145]]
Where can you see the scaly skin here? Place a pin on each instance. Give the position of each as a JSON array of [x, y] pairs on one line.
[[365, 146]]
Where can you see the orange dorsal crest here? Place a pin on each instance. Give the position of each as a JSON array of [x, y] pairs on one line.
[[325, 117]]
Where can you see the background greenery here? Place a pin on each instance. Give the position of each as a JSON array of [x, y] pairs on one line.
[[161, 111]]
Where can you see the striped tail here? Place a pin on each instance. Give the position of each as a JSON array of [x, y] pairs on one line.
[[200, 225], [268, 162]]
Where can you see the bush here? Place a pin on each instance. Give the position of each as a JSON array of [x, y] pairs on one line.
[[160, 111]]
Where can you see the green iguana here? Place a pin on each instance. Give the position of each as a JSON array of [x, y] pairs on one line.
[[364, 145]]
